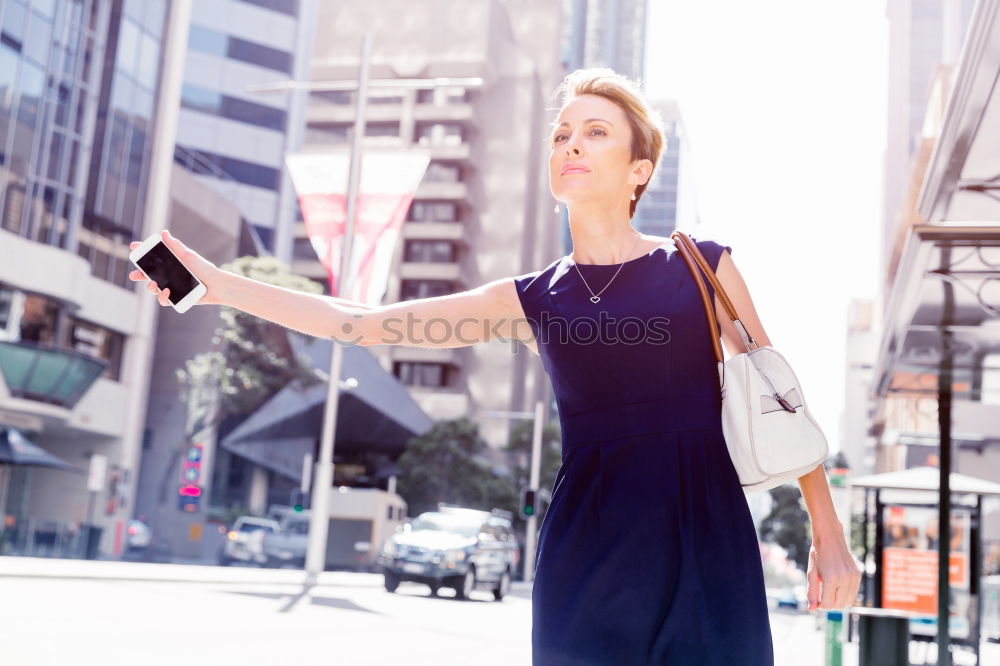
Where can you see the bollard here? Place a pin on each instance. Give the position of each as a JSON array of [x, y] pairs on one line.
[[834, 622]]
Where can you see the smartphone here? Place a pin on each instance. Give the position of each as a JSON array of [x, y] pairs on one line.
[[163, 267]]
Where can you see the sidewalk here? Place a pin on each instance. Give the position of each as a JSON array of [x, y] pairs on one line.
[[799, 639], [798, 642], [47, 567]]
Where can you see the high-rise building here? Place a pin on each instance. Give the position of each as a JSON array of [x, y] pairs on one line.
[[233, 135], [79, 80], [483, 210], [605, 33], [612, 33], [922, 35], [669, 201]]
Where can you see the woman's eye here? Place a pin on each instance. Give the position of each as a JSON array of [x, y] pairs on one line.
[[560, 136]]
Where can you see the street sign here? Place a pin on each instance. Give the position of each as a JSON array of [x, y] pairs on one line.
[[191, 466], [98, 470]]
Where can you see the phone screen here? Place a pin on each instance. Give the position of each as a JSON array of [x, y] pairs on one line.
[[162, 267]]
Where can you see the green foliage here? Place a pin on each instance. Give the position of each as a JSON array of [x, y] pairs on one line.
[[788, 523], [838, 460], [448, 464], [251, 360], [445, 464], [519, 447]]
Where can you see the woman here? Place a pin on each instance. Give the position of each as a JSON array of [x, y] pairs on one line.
[[647, 553]]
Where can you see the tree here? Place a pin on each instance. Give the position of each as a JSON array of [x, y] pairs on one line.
[[250, 361], [446, 464], [788, 523], [838, 460], [519, 447]]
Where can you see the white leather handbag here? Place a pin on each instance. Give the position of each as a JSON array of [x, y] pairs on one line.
[[771, 435]]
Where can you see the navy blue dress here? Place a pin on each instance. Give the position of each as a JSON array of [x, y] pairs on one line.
[[647, 553]]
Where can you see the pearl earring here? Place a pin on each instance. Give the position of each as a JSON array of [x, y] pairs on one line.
[[556, 209], [633, 196]]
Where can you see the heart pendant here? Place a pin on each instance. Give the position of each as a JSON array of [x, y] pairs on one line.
[[594, 299]]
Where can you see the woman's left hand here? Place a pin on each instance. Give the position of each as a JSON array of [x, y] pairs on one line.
[[833, 564]]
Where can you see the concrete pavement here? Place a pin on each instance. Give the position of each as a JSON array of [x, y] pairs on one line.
[[799, 638]]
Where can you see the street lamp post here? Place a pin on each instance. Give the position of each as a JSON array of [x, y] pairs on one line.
[[320, 496]]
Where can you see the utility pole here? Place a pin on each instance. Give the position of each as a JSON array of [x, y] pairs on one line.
[[321, 484], [530, 536]]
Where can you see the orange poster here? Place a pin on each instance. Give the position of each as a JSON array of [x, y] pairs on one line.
[[910, 557]]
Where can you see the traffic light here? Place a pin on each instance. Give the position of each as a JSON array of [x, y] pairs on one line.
[[297, 500], [527, 502]]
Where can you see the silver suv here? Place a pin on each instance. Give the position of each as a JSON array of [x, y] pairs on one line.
[[455, 547], [244, 540]]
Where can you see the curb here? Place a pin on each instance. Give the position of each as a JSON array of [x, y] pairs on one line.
[[53, 568]]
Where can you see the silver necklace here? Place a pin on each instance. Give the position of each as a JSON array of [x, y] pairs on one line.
[[594, 298]]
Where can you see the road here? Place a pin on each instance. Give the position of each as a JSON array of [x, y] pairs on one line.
[[57, 612]]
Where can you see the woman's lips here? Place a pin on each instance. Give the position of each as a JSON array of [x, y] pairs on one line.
[[568, 171]]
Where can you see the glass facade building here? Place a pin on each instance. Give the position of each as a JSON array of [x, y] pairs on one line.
[[77, 84]]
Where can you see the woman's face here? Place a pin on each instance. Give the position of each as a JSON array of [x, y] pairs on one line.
[[596, 135]]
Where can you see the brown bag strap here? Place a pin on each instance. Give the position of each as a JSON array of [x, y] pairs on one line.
[[692, 255]]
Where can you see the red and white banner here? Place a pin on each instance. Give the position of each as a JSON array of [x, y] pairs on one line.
[[389, 179]]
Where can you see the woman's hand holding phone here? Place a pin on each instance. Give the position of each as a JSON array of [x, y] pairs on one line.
[[203, 269]]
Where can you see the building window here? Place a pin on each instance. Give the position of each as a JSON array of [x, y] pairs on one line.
[[381, 129], [290, 7], [327, 133], [97, 342], [380, 97], [38, 319], [209, 101], [334, 96], [302, 249], [207, 41], [439, 134], [419, 373], [215, 43], [410, 289], [429, 251], [439, 172], [433, 211], [248, 173], [6, 310], [453, 95]]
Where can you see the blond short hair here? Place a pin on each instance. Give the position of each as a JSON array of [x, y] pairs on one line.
[[649, 138]]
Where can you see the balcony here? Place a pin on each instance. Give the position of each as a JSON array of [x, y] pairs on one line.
[[320, 112], [454, 112], [47, 374], [429, 270], [434, 230], [442, 190]]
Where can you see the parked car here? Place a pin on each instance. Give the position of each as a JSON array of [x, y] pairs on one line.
[[456, 547], [137, 538], [288, 545], [792, 597], [244, 540]]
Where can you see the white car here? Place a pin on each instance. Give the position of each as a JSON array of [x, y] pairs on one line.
[[137, 538], [244, 540]]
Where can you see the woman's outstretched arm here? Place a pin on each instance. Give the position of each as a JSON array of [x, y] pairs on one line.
[[485, 313], [457, 320]]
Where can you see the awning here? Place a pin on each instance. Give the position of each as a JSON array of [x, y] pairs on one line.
[[925, 478], [946, 278], [378, 415], [16, 449], [947, 281]]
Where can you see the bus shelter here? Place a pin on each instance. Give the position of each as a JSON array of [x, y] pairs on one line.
[[903, 508]]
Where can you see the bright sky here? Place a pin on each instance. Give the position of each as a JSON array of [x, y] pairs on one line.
[[785, 105]]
